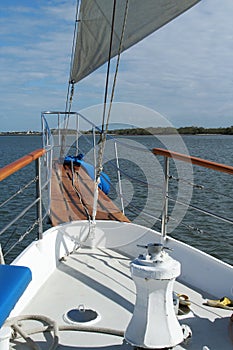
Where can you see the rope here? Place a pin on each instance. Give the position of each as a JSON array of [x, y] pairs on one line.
[[78, 193], [14, 324], [52, 327], [83, 205]]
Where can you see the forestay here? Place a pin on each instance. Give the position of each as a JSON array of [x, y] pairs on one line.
[[95, 23]]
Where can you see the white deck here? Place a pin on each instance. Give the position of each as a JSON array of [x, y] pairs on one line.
[[100, 279]]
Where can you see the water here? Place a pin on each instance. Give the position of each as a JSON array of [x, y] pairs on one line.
[[203, 232], [12, 148], [216, 237], [207, 234]]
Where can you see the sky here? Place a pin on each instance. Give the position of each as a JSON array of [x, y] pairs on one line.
[[184, 71]]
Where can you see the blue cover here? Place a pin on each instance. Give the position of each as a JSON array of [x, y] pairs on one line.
[[104, 184], [13, 282]]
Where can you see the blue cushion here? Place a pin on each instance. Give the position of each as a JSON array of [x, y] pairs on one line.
[[13, 282], [105, 182]]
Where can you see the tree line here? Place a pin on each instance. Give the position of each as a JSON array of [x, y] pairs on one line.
[[187, 130]]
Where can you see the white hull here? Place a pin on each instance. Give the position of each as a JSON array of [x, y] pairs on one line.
[[97, 276]]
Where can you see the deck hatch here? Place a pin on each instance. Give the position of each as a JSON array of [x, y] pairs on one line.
[[81, 315]]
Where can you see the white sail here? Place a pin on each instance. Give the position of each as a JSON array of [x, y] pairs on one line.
[[94, 28]]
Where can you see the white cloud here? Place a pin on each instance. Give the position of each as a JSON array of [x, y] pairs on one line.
[[184, 70]]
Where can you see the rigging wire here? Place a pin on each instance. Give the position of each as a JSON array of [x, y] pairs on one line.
[[108, 67], [70, 88], [102, 140], [104, 131], [118, 62], [103, 134], [71, 83]]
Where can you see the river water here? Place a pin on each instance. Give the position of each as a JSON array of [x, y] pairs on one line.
[[213, 191]]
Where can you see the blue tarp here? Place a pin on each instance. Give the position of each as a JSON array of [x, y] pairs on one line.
[[105, 182]]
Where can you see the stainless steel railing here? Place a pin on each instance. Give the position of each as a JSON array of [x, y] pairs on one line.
[[74, 134], [42, 184]]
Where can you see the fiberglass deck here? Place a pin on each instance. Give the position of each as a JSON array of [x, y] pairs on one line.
[[100, 280]]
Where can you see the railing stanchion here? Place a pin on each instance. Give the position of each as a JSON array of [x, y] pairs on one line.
[[43, 132], [50, 155], [94, 150], [59, 130], [77, 134], [39, 195], [119, 179], [165, 198], [2, 260]]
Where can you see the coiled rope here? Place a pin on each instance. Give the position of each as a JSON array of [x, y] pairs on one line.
[[52, 327]]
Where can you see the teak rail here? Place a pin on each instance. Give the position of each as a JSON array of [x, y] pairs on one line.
[[20, 163], [189, 159], [13, 168], [194, 160]]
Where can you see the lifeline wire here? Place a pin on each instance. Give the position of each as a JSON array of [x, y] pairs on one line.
[[19, 191]]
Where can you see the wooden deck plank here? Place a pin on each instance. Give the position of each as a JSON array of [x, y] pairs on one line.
[[68, 204]]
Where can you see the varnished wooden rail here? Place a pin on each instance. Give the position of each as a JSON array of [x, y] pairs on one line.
[[20, 163], [194, 160]]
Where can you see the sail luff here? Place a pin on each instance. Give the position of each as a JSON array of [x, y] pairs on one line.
[[93, 37]]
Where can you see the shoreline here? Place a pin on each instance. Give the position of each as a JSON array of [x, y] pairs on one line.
[[200, 131]]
